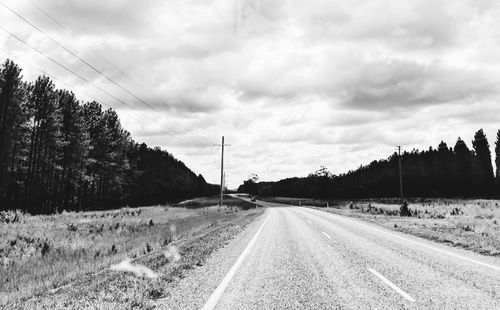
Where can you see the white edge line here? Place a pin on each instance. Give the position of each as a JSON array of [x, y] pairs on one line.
[[326, 235], [392, 285], [418, 243], [216, 295]]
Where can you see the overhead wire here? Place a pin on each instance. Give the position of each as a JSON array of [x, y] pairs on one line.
[[43, 71], [75, 55], [63, 66], [68, 31], [190, 140], [52, 76], [64, 28]]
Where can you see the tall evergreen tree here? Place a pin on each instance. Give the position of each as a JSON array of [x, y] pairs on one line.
[[75, 151], [13, 131], [93, 118], [442, 169], [484, 168], [497, 163], [44, 146]]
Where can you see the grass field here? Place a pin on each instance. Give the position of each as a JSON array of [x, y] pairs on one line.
[[62, 261], [471, 224]]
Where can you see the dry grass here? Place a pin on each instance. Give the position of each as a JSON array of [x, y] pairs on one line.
[[471, 224], [42, 253]]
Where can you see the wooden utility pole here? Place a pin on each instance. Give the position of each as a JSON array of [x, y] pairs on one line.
[[400, 174], [222, 170], [222, 173]]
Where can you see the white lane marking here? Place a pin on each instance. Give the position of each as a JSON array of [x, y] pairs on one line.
[[419, 243], [326, 235], [309, 222], [216, 295], [392, 285]]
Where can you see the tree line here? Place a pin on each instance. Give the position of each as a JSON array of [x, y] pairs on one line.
[[57, 153], [437, 172]]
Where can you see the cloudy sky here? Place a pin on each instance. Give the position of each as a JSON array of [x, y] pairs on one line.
[[291, 84]]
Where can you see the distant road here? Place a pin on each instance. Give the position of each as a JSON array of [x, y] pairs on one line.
[[300, 258]]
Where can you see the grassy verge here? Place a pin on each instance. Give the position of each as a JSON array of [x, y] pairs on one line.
[[470, 224], [62, 261]]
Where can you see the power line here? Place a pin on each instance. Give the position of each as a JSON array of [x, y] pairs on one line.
[[189, 140], [48, 15], [51, 76], [92, 97], [63, 66], [60, 24], [76, 56], [88, 82]]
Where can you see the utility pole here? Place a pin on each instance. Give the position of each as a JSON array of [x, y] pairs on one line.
[[400, 174], [222, 170]]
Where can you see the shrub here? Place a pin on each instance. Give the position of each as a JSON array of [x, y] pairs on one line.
[[404, 210], [456, 211], [468, 228], [45, 248]]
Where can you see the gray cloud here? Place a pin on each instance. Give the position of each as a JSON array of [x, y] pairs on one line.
[[291, 84], [408, 84]]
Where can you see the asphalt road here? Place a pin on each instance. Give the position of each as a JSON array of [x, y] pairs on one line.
[[300, 258]]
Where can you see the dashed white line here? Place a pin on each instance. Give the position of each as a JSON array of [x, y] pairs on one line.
[[392, 285], [216, 295], [326, 235], [309, 222]]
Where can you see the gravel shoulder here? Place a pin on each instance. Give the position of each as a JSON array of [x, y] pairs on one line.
[[195, 288]]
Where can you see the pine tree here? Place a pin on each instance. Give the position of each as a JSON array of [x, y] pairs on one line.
[[93, 119], [442, 169], [484, 168], [463, 162], [497, 162], [13, 133], [118, 143], [44, 146], [74, 151]]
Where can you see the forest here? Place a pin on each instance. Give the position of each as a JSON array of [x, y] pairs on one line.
[[442, 172], [57, 153]]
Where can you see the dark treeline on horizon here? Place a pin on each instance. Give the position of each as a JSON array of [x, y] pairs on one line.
[[442, 172], [57, 154]]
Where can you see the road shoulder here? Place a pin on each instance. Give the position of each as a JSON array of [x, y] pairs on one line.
[[195, 288]]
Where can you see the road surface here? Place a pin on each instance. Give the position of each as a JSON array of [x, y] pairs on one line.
[[300, 258]]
